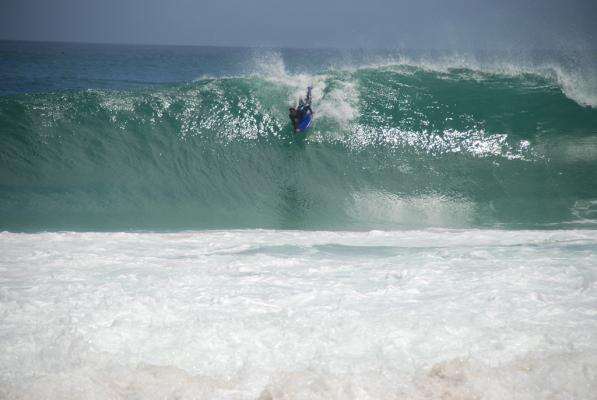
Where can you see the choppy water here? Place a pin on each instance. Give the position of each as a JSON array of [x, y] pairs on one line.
[[168, 236]]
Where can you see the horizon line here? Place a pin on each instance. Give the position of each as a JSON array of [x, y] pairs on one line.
[[272, 47]]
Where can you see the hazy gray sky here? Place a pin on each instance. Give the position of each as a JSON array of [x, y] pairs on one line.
[[307, 23]]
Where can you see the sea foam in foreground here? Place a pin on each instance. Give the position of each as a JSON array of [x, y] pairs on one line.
[[260, 314]]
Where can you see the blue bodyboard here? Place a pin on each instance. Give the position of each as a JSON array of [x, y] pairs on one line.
[[305, 122]]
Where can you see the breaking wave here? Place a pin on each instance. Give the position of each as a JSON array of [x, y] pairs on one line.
[[394, 145]]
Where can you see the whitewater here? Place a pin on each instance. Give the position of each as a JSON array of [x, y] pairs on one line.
[[165, 234], [460, 314]]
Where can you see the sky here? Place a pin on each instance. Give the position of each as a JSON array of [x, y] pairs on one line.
[[397, 24]]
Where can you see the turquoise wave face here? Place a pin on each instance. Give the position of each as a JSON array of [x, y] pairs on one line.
[[391, 147]]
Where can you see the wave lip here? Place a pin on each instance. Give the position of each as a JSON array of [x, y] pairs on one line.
[[574, 74]]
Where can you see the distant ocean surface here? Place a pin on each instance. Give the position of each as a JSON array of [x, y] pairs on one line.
[[165, 234]]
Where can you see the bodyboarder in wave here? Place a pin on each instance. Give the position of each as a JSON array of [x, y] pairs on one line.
[[302, 115]]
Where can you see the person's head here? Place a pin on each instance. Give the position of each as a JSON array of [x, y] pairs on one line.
[[292, 111]]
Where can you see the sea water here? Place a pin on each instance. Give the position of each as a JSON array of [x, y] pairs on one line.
[[166, 235]]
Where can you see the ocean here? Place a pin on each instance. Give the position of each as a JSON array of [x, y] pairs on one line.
[[165, 234]]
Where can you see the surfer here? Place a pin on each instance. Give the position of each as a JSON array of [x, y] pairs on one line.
[[298, 114]]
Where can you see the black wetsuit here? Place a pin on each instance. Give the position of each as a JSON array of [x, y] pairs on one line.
[[295, 118]]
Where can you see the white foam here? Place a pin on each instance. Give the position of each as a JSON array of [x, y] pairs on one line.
[[340, 103], [578, 83], [274, 314]]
